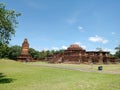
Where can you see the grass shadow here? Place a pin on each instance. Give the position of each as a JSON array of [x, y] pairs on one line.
[[4, 79]]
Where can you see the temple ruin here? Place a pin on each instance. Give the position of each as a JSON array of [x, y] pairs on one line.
[[24, 56], [73, 54], [76, 54]]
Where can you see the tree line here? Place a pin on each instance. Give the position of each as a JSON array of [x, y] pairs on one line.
[[12, 52]]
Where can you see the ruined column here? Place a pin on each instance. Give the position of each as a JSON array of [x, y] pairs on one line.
[[100, 58], [80, 58], [107, 58]]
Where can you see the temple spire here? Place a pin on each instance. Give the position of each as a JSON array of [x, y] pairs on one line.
[[24, 56]]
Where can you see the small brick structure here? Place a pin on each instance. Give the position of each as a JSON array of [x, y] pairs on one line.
[[76, 54], [25, 56]]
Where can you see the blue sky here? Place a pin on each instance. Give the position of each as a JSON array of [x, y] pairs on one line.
[[56, 24]]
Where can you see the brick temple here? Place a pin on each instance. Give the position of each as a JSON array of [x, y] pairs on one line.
[[25, 56], [76, 54]]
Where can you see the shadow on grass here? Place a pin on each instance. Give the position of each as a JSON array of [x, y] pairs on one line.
[[4, 79]]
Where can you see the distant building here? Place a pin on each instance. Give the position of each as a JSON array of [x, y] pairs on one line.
[[76, 54], [24, 56]]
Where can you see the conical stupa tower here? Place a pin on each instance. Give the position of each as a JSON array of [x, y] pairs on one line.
[[24, 56]]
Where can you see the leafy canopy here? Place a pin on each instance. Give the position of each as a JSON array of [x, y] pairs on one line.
[[117, 54], [7, 23]]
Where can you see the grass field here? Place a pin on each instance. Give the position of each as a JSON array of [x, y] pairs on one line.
[[42, 76], [107, 68]]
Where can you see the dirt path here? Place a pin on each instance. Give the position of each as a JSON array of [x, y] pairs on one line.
[[77, 69]]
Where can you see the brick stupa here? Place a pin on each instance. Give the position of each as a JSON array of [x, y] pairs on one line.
[[25, 56]]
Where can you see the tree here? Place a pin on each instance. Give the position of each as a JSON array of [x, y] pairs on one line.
[[43, 54], [4, 50], [34, 53], [61, 51], [8, 23], [117, 54], [117, 48], [14, 52]]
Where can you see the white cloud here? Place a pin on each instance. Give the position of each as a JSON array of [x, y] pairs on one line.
[[80, 44], [64, 47], [55, 48], [74, 17], [112, 51], [113, 33], [83, 46], [81, 28], [98, 39], [45, 49]]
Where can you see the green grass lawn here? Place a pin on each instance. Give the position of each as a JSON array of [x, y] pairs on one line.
[[107, 68], [31, 76]]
